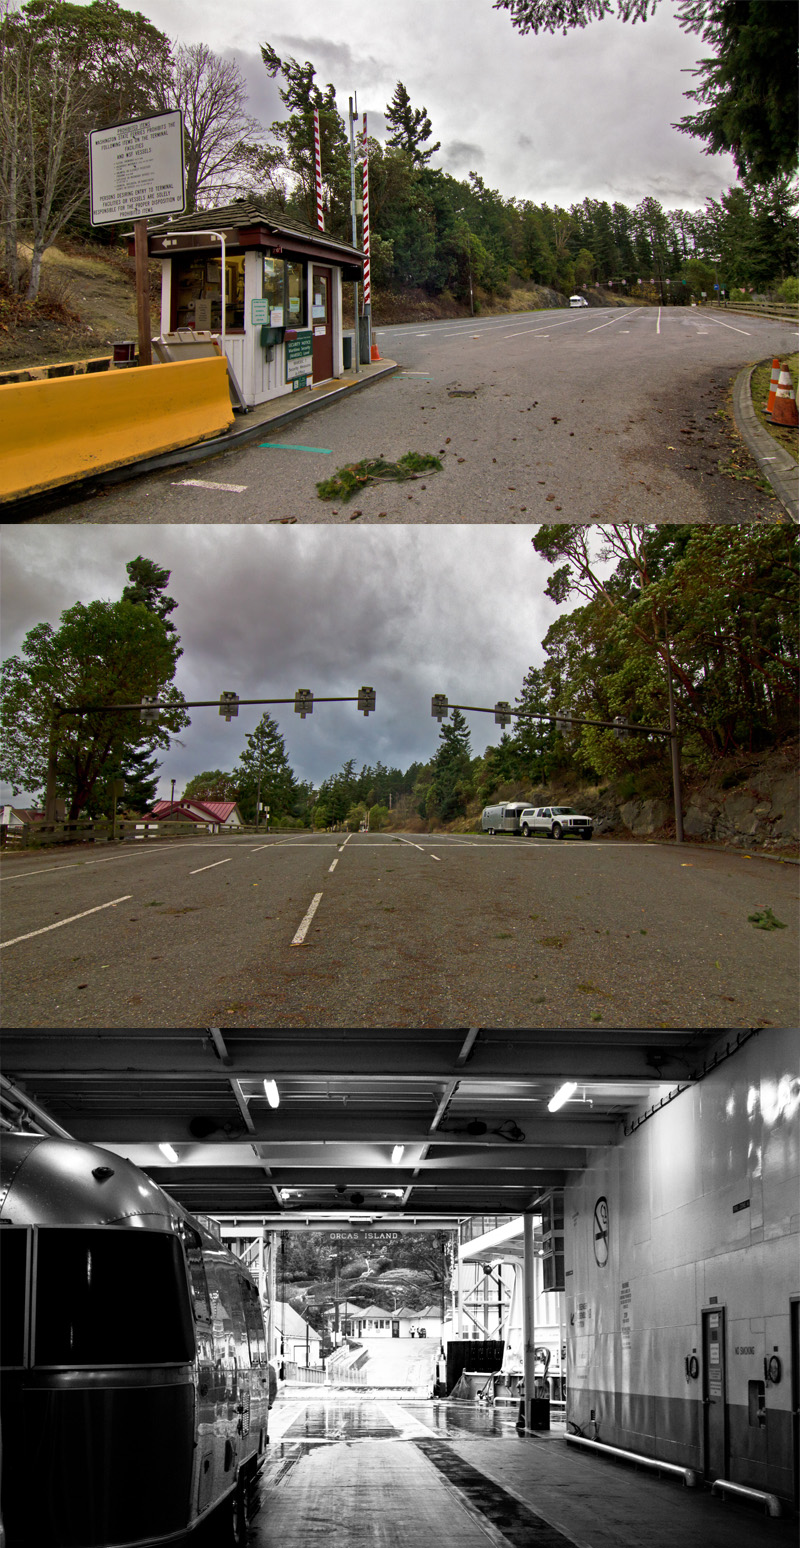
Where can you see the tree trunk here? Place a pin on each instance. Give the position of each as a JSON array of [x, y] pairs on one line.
[[36, 270]]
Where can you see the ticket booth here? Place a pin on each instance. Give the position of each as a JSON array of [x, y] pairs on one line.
[[267, 287]]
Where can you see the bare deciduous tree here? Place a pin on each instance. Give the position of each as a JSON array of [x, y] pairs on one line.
[[212, 95]]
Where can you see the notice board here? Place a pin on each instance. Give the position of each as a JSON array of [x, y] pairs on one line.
[[299, 355]]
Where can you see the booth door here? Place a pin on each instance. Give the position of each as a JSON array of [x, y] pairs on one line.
[[321, 323]]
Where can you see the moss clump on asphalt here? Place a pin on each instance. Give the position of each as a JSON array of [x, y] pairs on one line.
[[351, 480], [759, 388]]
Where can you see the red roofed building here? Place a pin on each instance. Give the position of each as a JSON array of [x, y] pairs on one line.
[[223, 814]]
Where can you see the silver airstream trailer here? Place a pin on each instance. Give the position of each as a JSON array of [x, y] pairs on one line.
[[503, 818], [135, 1379]]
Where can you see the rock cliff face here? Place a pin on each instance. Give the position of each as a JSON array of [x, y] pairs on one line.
[[756, 805]]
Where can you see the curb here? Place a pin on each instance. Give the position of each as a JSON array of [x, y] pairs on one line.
[[775, 463], [63, 494]]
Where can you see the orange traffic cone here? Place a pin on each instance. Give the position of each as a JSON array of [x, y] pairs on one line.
[[785, 409], [374, 353], [773, 386]]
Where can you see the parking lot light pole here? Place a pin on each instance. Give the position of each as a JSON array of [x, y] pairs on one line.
[[440, 709]]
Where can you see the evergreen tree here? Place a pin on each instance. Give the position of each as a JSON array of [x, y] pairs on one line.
[[295, 135], [212, 785], [411, 127], [450, 780], [264, 774]]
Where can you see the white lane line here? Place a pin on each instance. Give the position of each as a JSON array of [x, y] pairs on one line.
[[206, 483], [623, 314], [745, 331], [209, 867], [412, 845], [301, 934], [658, 322], [539, 331], [263, 846], [71, 920], [333, 864], [346, 842], [436, 857], [75, 865]]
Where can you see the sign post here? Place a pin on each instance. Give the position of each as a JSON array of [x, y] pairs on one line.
[[136, 170]]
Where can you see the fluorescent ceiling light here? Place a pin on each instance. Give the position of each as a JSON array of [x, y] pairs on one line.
[[562, 1095], [397, 1154], [169, 1151], [272, 1094]]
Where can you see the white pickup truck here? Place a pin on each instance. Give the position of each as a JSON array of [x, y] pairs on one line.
[[557, 821]]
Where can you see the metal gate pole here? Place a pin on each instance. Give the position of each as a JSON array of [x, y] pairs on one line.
[[529, 1318]]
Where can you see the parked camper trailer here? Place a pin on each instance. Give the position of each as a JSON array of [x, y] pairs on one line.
[[504, 818], [135, 1381]]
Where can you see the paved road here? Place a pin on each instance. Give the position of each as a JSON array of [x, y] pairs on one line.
[[386, 1473], [593, 415], [383, 930]]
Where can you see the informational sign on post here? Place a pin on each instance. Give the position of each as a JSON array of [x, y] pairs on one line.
[[299, 355], [136, 169]]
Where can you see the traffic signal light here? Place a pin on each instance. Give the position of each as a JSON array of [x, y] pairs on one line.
[[303, 702], [366, 699], [439, 706], [228, 704]]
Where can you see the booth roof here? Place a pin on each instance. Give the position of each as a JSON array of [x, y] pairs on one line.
[[248, 212]]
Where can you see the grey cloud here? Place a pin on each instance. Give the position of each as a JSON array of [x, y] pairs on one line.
[[462, 153], [410, 611]]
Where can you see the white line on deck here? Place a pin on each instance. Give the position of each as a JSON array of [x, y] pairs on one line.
[[333, 864], [71, 920], [206, 483], [209, 867], [301, 934]]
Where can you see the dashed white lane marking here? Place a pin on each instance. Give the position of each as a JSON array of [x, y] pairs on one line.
[[209, 867], [71, 920], [301, 934], [658, 323], [333, 864], [412, 846], [436, 857], [346, 842], [206, 483]]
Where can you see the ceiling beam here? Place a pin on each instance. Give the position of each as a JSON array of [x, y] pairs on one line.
[[584, 1055], [282, 1131]]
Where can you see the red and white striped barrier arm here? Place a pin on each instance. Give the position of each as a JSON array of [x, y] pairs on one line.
[[318, 171], [365, 168]]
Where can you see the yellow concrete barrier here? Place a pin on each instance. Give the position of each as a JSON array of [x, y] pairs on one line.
[[67, 428]]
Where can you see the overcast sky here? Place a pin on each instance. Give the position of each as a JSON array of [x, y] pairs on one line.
[[553, 119], [410, 611]]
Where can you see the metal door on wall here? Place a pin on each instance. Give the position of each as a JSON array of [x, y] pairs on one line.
[[322, 324], [715, 1402]]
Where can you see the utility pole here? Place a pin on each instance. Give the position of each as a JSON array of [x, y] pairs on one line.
[[356, 335]]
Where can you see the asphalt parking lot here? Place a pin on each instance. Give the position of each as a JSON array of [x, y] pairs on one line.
[[392, 930]]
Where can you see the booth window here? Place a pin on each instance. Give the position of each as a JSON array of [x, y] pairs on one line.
[[197, 292], [284, 286]]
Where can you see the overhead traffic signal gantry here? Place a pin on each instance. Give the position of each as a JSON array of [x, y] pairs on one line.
[[150, 709]]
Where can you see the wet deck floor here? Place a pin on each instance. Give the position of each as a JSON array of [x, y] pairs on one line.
[[389, 1473]]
